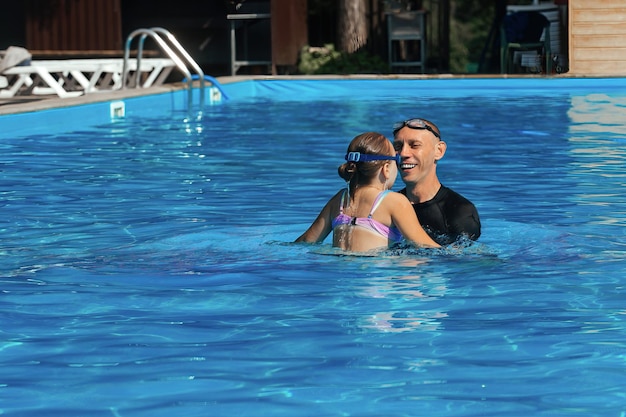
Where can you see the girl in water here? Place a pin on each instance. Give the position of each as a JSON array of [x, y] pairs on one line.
[[366, 215]]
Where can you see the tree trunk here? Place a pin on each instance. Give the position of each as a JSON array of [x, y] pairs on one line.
[[352, 25]]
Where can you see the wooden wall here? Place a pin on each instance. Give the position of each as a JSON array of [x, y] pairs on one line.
[[289, 30], [73, 25], [597, 37]]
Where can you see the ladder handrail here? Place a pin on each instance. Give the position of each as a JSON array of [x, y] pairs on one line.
[[185, 55], [169, 52]]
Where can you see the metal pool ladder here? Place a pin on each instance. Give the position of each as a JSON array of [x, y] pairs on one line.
[[177, 55]]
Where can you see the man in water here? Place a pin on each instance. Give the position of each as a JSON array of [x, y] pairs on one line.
[[445, 214]]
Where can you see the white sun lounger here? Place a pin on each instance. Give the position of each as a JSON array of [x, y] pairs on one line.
[[74, 77]]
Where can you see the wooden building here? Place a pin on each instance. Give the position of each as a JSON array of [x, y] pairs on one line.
[[98, 28], [73, 25], [597, 34], [592, 32]]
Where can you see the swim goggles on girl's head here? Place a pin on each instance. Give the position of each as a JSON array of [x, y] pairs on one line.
[[414, 124], [363, 157]]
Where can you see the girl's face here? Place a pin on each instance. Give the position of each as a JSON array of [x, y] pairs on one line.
[[393, 167]]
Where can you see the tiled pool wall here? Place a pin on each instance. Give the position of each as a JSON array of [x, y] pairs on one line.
[[62, 119]]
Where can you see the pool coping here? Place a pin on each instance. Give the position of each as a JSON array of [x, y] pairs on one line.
[[25, 104]]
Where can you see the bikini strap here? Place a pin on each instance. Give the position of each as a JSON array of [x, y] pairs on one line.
[[379, 199], [343, 201]]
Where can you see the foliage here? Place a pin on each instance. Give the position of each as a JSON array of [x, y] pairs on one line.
[[470, 29], [470, 23], [327, 60], [313, 58]]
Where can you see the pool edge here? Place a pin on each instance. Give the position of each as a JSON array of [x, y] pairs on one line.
[[27, 104]]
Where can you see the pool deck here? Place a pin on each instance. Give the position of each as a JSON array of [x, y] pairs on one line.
[[32, 103]]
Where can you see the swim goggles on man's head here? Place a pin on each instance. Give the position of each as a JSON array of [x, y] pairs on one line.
[[415, 124], [363, 157]]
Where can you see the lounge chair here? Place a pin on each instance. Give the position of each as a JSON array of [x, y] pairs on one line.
[[74, 77], [14, 55]]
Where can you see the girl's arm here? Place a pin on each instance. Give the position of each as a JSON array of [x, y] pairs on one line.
[[322, 226], [405, 219]]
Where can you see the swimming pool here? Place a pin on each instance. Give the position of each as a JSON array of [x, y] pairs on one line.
[[147, 270]]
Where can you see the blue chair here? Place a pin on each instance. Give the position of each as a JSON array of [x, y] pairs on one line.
[[524, 31]]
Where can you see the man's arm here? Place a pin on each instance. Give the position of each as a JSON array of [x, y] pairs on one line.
[[466, 221]]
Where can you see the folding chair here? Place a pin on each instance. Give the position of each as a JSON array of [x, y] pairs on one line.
[[524, 31]]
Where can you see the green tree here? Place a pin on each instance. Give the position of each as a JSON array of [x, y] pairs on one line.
[[471, 21]]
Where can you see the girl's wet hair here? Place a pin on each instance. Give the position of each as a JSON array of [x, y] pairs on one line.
[[361, 173]]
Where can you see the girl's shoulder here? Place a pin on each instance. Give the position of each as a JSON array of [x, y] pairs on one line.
[[396, 198], [336, 200]]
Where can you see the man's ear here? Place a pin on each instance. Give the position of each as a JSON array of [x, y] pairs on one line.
[[440, 150]]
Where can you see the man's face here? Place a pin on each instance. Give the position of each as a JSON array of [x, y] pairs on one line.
[[420, 150]]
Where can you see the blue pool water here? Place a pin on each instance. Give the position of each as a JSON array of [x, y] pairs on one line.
[[147, 269]]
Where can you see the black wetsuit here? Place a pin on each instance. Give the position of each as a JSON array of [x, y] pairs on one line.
[[448, 216]]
